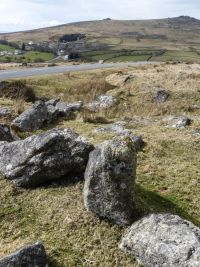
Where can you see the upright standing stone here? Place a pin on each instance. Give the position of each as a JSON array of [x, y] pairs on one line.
[[109, 180]]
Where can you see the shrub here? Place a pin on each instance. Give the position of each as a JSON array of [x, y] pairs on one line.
[[17, 90]]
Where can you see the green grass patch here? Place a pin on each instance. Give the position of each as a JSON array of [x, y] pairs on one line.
[[30, 57], [6, 48], [129, 58], [183, 56]]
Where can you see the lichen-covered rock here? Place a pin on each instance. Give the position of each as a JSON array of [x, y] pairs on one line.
[[65, 109], [109, 180], [117, 127], [178, 122], [6, 134], [31, 119], [42, 113], [5, 111], [161, 96], [102, 102], [40, 158], [182, 123], [29, 256], [138, 141], [163, 240]]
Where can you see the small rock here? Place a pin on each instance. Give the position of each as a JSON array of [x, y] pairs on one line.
[[65, 109], [102, 102], [52, 102], [52, 114], [32, 119], [6, 134], [29, 256], [161, 96], [119, 129], [177, 122], [42, 113], [196, 132], [116, 127], [5, 111], [138, 141], [45, 157], [182, 123], [109, 180], [163, 240], [195, 107]]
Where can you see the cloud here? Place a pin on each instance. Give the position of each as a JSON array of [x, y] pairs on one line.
[[29, 14]]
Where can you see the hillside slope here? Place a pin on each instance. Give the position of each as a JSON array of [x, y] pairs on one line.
[[183, 30]]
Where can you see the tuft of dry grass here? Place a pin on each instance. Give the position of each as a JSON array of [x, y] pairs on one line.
[[19, 106], [17, 89]]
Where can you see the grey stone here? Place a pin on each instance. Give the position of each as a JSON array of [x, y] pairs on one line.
[[65, 109], [163, 240], [102, 102], [119, 129], [195, 106], [52, 102], [40, 158], [5, 111], [52, 114], [75, 106], [181, 122], [6, 134], [42, 113], [177, 122], [116, 127], [196, 132], [161, 96], [139, 142], [109, 180], [32, 119], [29, 256]]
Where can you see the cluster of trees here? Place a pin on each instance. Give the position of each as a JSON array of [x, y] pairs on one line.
[[71, 37], [74, 55]]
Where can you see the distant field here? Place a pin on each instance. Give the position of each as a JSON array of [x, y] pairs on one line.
[[185, 56], [28, 57], [6, 48], [118, 55], [129, 58], [145, 55]]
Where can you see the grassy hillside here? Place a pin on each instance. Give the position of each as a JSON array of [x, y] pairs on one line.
[[180, 32], [167, 173]]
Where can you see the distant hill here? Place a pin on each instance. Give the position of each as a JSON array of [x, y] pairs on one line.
[[182, 31]]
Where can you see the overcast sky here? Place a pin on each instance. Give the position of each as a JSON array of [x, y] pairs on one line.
[[18, 15]]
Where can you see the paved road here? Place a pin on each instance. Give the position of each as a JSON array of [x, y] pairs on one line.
[[27, 72]]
